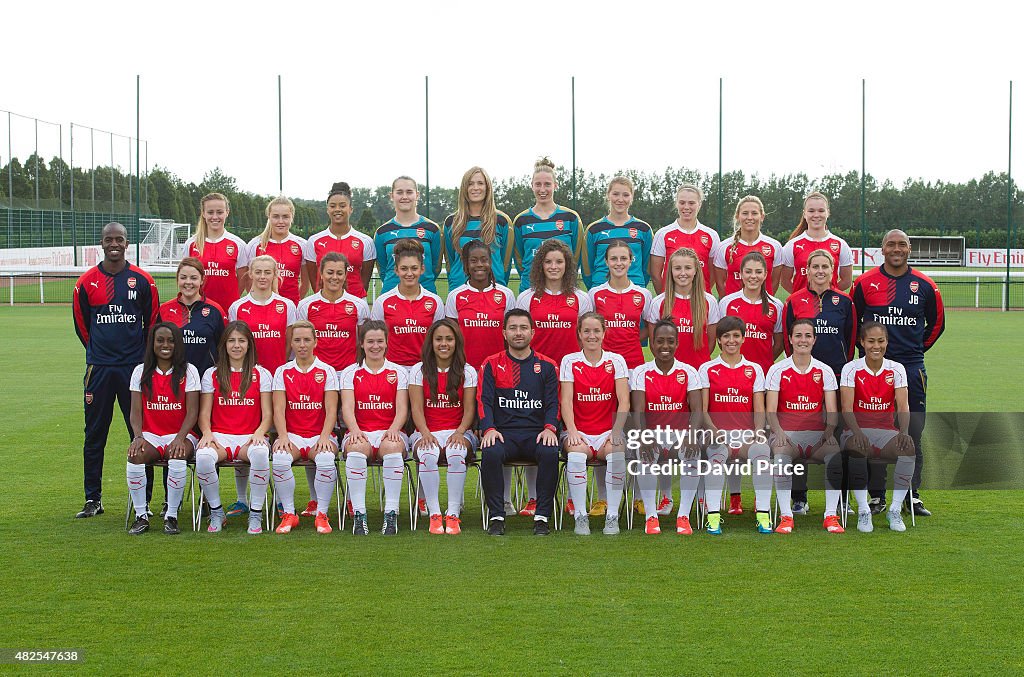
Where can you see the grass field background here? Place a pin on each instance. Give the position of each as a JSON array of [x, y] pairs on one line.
[[943, 597]]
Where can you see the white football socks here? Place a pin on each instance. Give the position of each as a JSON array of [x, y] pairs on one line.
[[647, 482], [901, 478], [430, 478], [783, 485], [576, 477], [177, 476], [355, 474], [614, 481], [325, 478], [456, 478], [259, 475], [689, 481], [284, 481], [206, 471], [137, 487], [394, 471], [713, 482]]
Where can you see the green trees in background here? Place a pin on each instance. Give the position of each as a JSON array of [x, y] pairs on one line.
[[975, 209]]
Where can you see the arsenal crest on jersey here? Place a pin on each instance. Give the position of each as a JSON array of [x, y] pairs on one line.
[[319, 377], [420, 233], [536, 367], [355, 244], [638, 300], [766, 250], [88, 398], [560, 224], [890, 378], [914, 286], [499, 298], [392, 377], [816, 376], [229, 250], [632, 233], [205, 312], [428, 305], [704, 240], [748, 372], [681, 378], [835, 300], [834, 246], [349, 309], [279, 307], [294, 249], [570, 301], [608, 367], [132, 282]]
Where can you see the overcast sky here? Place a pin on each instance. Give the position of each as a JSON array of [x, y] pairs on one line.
[[646, 86]]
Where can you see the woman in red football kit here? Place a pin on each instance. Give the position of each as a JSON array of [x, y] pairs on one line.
[[335, 313], [235, 414], [801, 406], [759, 310], [374, 407], [746, 238], [812, 233], [224, 255], [442, 398], [554, 301], [594, 404], [623, 305], [685, 232], [734, 414], [341, 237], [409, 309], [687, 303], [666, 392], [278, 241], [874, 394], [165, 406], [267, 313], [479, 306], [305, 412]]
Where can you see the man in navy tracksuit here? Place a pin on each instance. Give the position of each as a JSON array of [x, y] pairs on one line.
[[518, 407], [909, 304], [114, 305]]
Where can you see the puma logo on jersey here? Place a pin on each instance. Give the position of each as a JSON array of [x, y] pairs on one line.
[[358, 378], [799, 246], [529, 228], [786, 378], [244, 310], [315, 309], [875, 285], [578, 367], [322, 244], [390, 306], [501, 367], [291, 379], [860, 380], [713, 372], [463, 298], [96, 285]]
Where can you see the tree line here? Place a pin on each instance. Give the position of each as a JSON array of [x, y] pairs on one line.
[[976, 209]]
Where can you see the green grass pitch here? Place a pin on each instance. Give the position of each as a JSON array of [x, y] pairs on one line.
[[942, 597]]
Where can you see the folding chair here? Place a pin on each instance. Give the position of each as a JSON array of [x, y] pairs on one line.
[[190, 472], [308, 463]]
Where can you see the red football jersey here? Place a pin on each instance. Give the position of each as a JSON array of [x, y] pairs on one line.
[[796, 251], [374, 393], [163, 412], [357, 248], [304, 393], [555, 317], [701, 239], [665, 393], [237, 414], [594, 401], [623, 313], [874, 395], [408, 321], [762, 326], [289, 254], [337, 326], [731, 392], [801, 394], [221, 259], [685, 352], [441, 413], [269, 321], [480, 315], [728, 257]]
